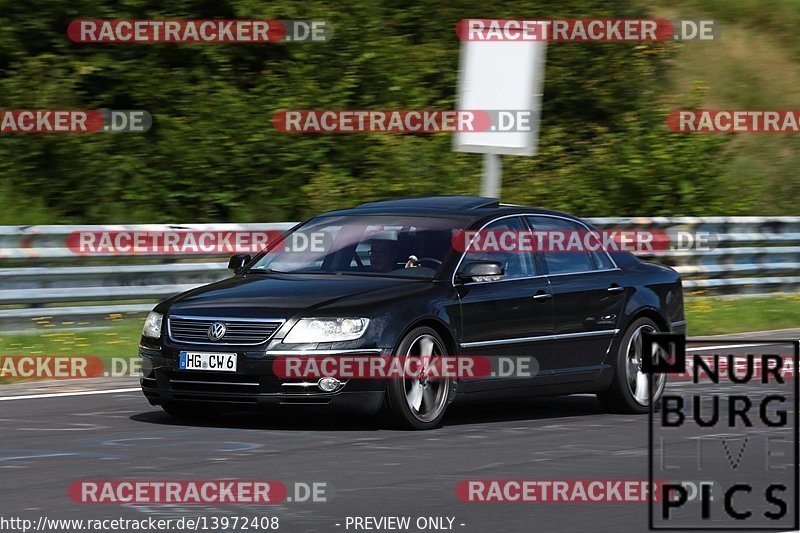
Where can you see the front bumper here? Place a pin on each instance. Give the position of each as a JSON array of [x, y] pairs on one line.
[[253, 386]]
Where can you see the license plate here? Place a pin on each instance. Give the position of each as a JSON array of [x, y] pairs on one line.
[[214, 362]]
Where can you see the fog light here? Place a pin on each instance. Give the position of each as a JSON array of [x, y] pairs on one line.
[[328, 384]]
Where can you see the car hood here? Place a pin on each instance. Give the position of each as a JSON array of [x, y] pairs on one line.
[[283, 296]]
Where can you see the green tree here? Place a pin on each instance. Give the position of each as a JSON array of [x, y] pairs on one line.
[[213, 154]]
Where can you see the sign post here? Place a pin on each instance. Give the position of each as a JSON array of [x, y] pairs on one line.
[[492, 176]]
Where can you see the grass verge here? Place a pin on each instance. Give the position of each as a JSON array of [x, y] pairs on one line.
[[114, 338], [717, 316]]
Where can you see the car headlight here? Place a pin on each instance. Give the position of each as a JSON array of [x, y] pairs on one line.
[[152, 326], [309, 330]]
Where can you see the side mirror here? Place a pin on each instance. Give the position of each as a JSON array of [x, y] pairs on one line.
[[482, 271], [238, 262]]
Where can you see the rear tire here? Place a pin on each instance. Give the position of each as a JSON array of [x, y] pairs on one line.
[[419, 403], [628, 392]]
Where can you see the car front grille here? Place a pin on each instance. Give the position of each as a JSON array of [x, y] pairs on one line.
[[237, 331], [230, 387]]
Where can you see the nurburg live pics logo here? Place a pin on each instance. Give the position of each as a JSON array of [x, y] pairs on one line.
[[731, 429]]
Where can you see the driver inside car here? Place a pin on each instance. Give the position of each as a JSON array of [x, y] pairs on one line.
[[385, 254]]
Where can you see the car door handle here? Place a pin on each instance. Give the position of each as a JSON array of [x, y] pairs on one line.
[[541, 295], [615, 288]]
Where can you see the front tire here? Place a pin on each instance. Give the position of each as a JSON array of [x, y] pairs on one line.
[[419, 402], [628, 392]]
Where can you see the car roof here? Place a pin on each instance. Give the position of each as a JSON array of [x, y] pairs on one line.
[[465, 207], [448, 202]]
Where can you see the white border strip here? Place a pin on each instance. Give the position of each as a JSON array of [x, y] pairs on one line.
[[62, 394]]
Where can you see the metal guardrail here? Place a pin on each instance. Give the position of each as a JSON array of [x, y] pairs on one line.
[[750, 256], [40, 276]]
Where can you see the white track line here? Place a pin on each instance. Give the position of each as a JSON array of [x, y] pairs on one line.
[[62, 394]]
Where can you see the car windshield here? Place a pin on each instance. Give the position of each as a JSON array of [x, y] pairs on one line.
[[407, 246]]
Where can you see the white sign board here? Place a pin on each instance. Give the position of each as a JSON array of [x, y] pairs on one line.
[[501, 76]]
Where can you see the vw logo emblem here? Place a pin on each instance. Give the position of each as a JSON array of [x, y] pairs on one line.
[[216, 331]]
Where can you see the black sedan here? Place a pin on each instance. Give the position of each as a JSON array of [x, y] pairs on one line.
[[387, 280]]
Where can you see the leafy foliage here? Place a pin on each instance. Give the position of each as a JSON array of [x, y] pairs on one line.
[[213, 154]]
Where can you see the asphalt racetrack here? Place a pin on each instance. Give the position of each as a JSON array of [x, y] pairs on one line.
[[49, 442]]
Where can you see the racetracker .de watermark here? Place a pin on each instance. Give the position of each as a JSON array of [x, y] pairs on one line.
[[734, 121], [74, 121], [405, 121], [367, 367], [183, 242], [51, 367], [197, 492], [554, 491], [579, 241], [587, 30], [34, 367], [177, 492], [198, 31]]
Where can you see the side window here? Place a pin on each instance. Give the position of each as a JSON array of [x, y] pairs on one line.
[[603, 261], [516, 264], [567, 261]]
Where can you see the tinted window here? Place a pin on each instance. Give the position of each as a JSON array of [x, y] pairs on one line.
[[364, 245], [603, 261], [572, 261], [516, 264]]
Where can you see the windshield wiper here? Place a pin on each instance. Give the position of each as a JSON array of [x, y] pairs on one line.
[[298, 272], [265, 271]]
